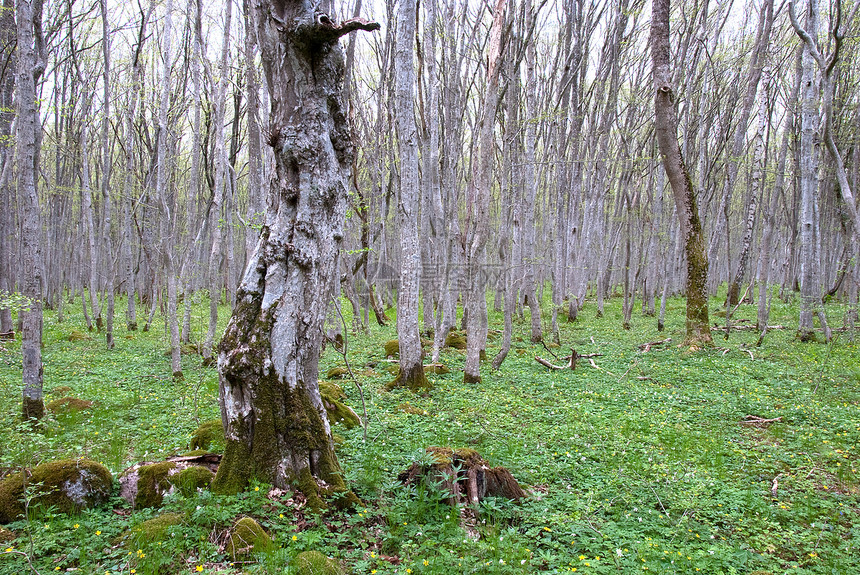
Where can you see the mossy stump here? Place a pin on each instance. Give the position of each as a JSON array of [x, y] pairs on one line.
[[209, 436], [315, 563], [246, 537], [68, 405], [465, 475], [190, 479], [69, 485]]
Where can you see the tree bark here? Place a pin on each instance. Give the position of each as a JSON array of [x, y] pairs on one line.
[[411, 374], [30, 66], [665, 126], [274, 420]]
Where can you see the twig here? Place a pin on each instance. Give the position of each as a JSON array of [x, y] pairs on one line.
[[646, 347], [25, 556], [758, 421], [351, 374]]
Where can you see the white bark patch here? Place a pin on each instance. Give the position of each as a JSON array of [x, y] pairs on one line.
[[274, 285]]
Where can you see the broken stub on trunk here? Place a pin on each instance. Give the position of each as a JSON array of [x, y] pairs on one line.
[[464, 475]]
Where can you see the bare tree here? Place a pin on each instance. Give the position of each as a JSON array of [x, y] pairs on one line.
[[665, 127], [275, 424]]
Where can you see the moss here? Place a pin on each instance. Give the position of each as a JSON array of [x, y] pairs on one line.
[[68, 405], [436, 368], [391, 347], [32, 409], [246, 537], [337, 372], [467, 378], [315, 563], [152, 483], [209, 436], [338, 440], [190, 479], [68, 485], [332, 390], [406, 408], [61, 390], [414, 380], [455, 340], [78, 336], [6, 536], [340, 413], [150, 531]]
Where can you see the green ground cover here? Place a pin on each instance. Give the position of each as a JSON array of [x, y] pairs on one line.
[[638, 465]]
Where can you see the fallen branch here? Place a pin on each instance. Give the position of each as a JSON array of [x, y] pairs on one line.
[[758, 421], [745, 327], [572, 359], [646, 347]]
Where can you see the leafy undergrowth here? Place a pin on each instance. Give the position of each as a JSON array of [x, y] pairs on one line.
[[639, 463]]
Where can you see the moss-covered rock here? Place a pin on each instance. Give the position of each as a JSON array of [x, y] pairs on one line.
[[391, 347], [68, 405], [153, 483], [6, 536], [246, 537], [210, 436], [150, 531], [455, 340], [315, 563], [436, 368], [337, 411], [68, 485], [411, 409], [337, 372], [78, 336], [190, 479]]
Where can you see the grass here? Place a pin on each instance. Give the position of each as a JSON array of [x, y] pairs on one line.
[[640, 465]]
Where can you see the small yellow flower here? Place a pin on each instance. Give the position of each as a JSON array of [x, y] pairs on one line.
[[256, 489], [295, 538], [372, 554], [200, 568], [281, 516], [426, 563], [373, 570], [98, 532], [547, 529], [581, 557], [76, 525], [409, 570], [9, 549], [133, 571]]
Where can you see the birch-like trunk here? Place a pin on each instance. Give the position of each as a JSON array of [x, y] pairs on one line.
[[7, 156], [274, 420]]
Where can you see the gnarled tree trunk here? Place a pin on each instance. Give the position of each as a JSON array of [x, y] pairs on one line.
[[274, 420]]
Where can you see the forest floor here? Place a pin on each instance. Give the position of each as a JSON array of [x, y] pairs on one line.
[[644, 462]]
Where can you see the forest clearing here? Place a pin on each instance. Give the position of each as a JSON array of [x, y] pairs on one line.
[[643, 462]]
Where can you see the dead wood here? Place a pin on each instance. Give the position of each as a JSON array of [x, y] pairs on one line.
[[757, 421], [646, 347], [571, 360]]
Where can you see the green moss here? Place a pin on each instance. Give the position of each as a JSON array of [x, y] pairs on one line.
[[68, 405], [246, 537], [192, 478], [61, 390], [414, 380], [339, 412], [332, 390], [150, 531], [78, 336], [337, 372], [152, 483], [68, 485], [315, 563], [391, 347], [209, 436], [406, 408], [455, 340], [436, 368]]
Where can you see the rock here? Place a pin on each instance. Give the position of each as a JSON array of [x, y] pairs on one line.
[[68, 405], [465, 475], [436, 368], [69, 485], [210, 435], [455, 340], [332, 390], [145, 484], [338, 372], [337, 411], [6, 536], [150, 531], [190, 479], [246, 537], [391, 348], [315, 563]]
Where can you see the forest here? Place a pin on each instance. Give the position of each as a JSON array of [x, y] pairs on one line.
[[452, 286]]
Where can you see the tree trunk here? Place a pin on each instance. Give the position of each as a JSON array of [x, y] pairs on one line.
[[30, 66], [7, 155], [411, 374], [107, 168], [666, 125], [274, 420]]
